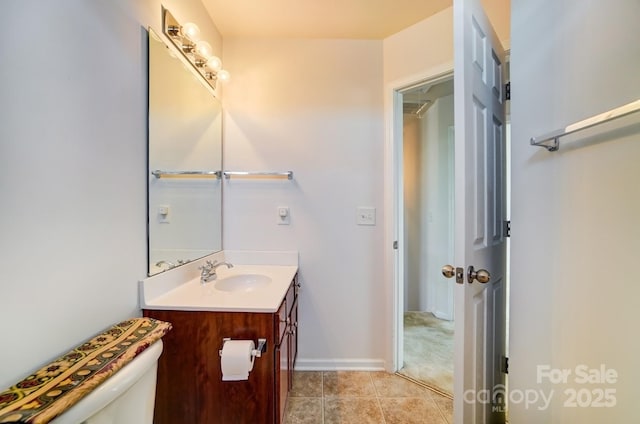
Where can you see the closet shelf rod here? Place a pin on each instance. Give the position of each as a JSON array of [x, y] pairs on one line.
[[159, 174], [229, 174], [551, 140]]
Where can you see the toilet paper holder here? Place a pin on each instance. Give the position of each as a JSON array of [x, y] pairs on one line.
[[261, 347]]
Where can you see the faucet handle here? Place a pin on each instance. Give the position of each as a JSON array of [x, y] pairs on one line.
[[208, 265]]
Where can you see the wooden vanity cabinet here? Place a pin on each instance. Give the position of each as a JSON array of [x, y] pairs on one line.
[[287, 349], [189, 384]]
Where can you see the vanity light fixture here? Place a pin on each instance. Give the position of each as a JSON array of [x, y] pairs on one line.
[[198, 52]]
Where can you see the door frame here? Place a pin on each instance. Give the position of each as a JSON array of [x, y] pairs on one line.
[[394, 205]]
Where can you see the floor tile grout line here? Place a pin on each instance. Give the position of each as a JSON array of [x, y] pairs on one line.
[[375, 388], [322, 396], [384, 420], [444, 418]]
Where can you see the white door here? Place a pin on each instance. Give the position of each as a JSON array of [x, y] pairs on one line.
[[479, 215]]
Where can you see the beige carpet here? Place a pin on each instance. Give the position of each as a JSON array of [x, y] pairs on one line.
[[428, 351]]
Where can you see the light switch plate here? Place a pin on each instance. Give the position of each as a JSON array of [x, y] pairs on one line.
[[284, 217], [365, 215], [163, 214]]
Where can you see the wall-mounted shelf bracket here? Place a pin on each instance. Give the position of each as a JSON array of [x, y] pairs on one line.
[[551, 141]]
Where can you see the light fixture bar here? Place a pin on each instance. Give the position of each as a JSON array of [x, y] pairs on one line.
[[196, 51]]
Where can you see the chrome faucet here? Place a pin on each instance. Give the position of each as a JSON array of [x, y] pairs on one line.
[[209, 270]]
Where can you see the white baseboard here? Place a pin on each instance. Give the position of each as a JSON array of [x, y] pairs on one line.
[[364, 364]]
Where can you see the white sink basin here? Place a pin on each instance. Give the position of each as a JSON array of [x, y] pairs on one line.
[[242, 282]]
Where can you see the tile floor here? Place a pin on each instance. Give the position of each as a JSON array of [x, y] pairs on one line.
[[361, 397]]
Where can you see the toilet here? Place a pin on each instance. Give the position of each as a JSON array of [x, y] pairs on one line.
[[127, 397]]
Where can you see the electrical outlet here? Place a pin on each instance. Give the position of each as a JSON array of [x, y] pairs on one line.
[[365, 215]]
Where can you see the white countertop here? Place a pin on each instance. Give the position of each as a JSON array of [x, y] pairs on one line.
[[184, 292]]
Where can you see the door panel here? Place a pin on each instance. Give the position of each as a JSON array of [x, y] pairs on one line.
[[498, 184], [480, 211], [479, 364], [477, 208]]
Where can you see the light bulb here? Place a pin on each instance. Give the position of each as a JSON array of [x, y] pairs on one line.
[[224, 75], [204, 49], [191, 30], [214, 63]]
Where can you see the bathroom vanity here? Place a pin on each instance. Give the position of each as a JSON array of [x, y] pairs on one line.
[[190, 388]]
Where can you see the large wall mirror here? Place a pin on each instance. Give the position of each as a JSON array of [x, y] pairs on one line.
[[185, 162]]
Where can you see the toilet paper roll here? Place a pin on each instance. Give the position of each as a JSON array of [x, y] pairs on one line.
[[237, 360]]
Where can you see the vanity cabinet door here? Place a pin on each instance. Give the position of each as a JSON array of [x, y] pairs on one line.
[[293, 317], [288, 347], [293, 340], [282, 321], [190, 389], [281, 360], [282, 377]]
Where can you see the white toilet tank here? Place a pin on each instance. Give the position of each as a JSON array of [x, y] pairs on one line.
[[127, 397]]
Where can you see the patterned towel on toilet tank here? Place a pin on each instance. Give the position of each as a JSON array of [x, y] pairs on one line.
[[59, 385]]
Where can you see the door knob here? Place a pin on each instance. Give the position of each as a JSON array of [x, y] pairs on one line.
[[481, 275], [449, 271]]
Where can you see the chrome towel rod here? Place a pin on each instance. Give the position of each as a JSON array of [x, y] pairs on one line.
[[195, 174], [229, 174], [551, 140]]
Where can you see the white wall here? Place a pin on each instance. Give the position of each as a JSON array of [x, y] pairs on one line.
[[425, 47], [413, 212], [437, 185], [575, 233], [313, 107], [72, 170], [428, 214]]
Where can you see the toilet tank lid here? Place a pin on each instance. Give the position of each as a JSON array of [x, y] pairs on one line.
[[59, 385]]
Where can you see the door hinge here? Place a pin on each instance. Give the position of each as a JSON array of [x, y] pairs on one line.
[[507, 228], [395, 245], [504, 365], [507, 91]]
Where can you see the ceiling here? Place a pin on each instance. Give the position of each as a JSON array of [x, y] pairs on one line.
[[355, 19]]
